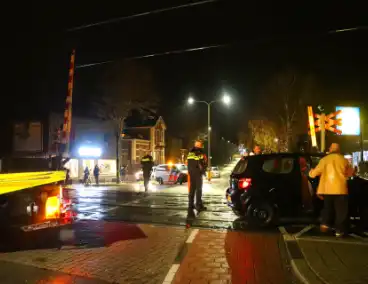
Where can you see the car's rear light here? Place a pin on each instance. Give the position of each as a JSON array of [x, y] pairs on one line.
[[244, 183], [52, 207]]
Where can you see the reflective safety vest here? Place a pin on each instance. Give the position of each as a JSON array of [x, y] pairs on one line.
[[193, 156], [146, 160]]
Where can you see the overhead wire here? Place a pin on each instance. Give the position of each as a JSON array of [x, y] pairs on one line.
[[148, 13], [171, 52], [196, 49]]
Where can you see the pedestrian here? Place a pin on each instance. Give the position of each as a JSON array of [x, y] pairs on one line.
[[86, 176], [334, 170], [197, 166], [96, 173], [147, 165]]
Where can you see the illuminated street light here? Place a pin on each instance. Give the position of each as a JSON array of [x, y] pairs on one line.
[[226, 100]]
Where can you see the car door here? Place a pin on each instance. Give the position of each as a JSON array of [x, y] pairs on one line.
[[284, 182], [160, 172]]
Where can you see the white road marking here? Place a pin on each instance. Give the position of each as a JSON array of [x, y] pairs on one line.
[[311, 239], [175, 267], [192, 236], [171, 274], [285, 234], [304, 230]]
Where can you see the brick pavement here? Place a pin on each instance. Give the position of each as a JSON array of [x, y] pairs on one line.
[[233, 257], [139, 260], [13, 273], [337, 262]]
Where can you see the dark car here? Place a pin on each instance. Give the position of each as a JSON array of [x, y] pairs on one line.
[[267, 189]]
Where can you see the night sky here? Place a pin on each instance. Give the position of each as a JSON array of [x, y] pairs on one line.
[[259, 40]]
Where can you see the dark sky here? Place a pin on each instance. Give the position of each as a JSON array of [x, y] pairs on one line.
[[265, 38]]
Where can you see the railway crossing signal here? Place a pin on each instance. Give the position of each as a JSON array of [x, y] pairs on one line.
[[321, 123], [330, 122]]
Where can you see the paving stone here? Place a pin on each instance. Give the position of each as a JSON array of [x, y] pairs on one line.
[[337, 262], [146, 259], [237, 257]]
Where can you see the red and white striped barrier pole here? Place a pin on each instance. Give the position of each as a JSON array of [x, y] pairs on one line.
[[68, 107]]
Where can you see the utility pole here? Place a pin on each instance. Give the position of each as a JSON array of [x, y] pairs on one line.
[[209, 140]]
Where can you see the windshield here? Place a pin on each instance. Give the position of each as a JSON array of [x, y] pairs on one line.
[[215, 168], [240, 166]]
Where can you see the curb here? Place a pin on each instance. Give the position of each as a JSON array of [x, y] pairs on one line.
[[299, 265]]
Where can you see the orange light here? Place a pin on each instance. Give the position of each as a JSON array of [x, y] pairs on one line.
[[52, 209], [311, 126], [170, 164]]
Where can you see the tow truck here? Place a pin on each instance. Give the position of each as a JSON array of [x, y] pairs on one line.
[[34, 200]]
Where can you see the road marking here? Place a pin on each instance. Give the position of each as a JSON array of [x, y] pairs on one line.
[[304, 230], [175, 267], [171, 274], [332, 241], [192, 236], [285, 234]]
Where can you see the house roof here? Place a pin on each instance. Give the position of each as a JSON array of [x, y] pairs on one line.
[[151, 121]]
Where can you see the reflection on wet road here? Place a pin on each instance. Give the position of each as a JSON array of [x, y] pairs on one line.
[[158, 208]]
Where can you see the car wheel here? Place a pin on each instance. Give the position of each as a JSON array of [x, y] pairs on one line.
[[261, 214]]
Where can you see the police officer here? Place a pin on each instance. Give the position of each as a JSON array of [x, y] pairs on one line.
[[147, 165], [196, 168]]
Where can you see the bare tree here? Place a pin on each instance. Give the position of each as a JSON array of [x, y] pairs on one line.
[[126, 87], [289, 93]]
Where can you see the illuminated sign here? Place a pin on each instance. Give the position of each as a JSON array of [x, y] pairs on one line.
[[89, 152], [350, 120]]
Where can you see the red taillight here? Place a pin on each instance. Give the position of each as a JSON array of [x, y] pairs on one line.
[[244, 183]]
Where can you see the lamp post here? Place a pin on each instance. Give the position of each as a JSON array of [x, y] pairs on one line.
[[226, 100]]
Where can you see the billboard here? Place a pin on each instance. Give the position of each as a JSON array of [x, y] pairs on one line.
[[350, 120]]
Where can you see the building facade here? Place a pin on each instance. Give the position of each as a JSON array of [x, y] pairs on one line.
[[92, 143], [144, 138]]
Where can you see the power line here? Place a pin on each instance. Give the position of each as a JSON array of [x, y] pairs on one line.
[[172, 52], [195, 49], [148, 13]]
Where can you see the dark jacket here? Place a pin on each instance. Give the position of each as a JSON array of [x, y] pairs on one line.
[[197, 161], [147, 163]]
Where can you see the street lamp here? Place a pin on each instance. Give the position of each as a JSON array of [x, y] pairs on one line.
[[226, 100]]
